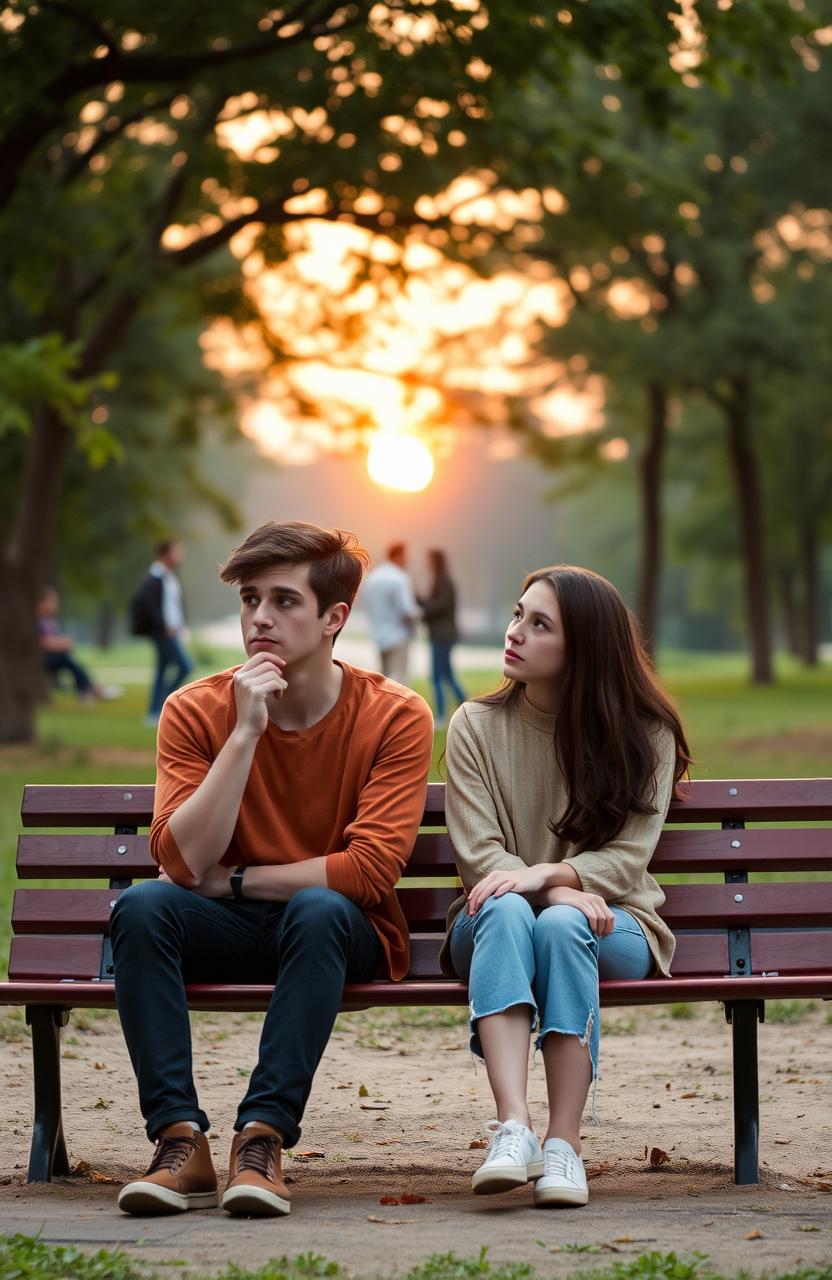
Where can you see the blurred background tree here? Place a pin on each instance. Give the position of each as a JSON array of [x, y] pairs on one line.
[[137, 149]]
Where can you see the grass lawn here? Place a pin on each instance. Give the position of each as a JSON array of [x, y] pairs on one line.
[[734, 731], [25, 1258]]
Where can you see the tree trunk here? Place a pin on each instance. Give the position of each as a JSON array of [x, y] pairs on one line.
[[790, 612], [21, 677], [24, 567], [749, 507], [650, 474], [105, 624], [809, 571]]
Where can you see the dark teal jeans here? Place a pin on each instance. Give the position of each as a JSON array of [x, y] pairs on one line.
[[165, 936]]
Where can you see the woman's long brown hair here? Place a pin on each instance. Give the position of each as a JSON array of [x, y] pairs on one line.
[[610, 705]]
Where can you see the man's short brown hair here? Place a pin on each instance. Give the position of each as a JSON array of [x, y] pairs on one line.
[[337, 561]]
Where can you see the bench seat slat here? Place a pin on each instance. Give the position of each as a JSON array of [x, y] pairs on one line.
[[242, 998]]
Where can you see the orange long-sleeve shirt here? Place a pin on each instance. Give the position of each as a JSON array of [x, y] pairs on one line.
[[351, 788]]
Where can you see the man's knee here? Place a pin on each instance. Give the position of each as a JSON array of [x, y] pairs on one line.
[[318, 911], [145, 906]]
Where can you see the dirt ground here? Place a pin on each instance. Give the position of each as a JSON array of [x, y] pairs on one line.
[[396, 1108]]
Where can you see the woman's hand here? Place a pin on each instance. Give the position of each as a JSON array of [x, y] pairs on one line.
[[600, 917], [525, 880]]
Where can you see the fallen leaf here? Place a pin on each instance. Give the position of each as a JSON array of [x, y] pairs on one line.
[[390, 1222], [85, 1170], [782, 1142], [595, 1170], [102, 1104], [692, 1094], [375, 1106], [363, 1091], [344, 1086], [477, 1144], [806, 1226], [406, 1198], [310, 1155], [389, 1142], [101, 1066], [753, 1235], [658, 1157]]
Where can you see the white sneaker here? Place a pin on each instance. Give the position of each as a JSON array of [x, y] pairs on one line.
[[564, 1179], [513, 1158]]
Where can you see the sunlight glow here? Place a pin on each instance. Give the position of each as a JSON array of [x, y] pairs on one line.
[[402, 462]]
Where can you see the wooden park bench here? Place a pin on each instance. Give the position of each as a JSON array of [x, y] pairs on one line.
[[738, 942]]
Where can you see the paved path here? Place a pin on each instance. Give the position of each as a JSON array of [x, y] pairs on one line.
[[795, 1229]]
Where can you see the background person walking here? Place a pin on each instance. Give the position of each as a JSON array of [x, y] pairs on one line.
[[388, 596], [157, 611], [439, 613]]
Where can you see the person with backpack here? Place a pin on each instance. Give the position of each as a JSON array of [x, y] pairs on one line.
[[157, 611]]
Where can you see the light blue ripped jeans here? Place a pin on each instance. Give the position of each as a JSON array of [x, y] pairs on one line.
[[548, 958]]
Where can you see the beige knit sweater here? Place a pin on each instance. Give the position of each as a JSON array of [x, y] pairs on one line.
[[504, 784]]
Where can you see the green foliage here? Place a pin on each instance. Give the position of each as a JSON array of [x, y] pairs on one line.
[[788, 1011], [449, 1266], [27, 1258], [43, 370]]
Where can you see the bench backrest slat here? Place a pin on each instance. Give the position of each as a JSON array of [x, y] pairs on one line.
[[709, 800], [686, 851], [688, 906]]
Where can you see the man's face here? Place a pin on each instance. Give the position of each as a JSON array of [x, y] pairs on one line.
[[279, 614]]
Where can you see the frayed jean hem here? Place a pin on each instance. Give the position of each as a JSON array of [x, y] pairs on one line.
[[475, 1044]]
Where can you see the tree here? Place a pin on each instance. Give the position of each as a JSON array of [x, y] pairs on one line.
[[662, 236], [117, 129]]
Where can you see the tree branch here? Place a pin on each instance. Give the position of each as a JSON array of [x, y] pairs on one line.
[[138, 68], [106, 136]]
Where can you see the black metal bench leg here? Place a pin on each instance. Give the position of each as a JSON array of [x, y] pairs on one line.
[[743, 1015], [48, 1155]]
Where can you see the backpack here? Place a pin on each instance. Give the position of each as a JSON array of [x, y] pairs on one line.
[[144, 609]]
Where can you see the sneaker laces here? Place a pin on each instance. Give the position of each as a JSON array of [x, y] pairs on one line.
[[257, 1153], [170, 1153], [559, 1162], [506, 1139]]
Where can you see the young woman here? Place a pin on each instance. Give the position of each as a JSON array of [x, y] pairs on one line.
[[439, 613], [557, 788]]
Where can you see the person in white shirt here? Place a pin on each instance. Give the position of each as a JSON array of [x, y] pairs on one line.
[[158, 612], [388, 596]]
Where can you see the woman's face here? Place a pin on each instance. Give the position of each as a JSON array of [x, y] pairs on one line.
[[534, 639]]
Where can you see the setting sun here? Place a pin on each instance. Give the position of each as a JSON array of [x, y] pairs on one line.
[[400, 462]]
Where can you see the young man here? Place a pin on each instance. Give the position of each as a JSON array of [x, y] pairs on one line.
[[389, 600], [288, 796], [157, 611]]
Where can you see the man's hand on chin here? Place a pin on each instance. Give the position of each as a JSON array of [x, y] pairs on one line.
[[215, 883]]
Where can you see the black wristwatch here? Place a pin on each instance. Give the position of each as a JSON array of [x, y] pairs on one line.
[[236, 882]]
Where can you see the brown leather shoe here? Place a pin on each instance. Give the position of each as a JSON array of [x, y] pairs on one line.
[[255, 1182], [181, 1175]]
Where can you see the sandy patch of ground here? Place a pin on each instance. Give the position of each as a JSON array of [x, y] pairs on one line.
[[398, 1102]]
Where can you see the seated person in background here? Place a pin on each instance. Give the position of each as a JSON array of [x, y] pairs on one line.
[[56, 651]]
